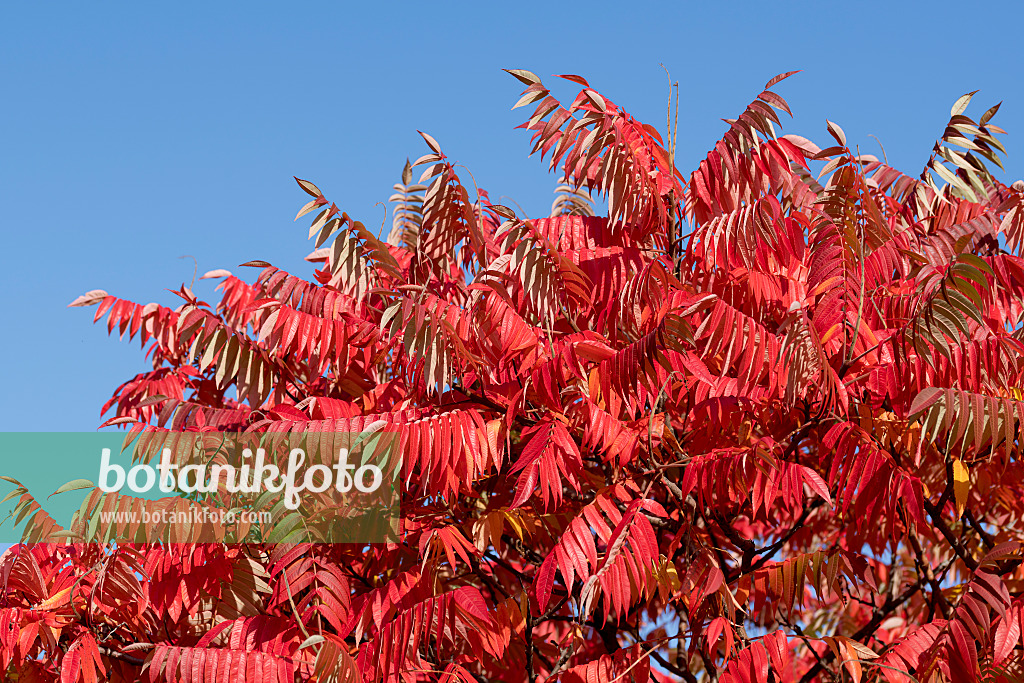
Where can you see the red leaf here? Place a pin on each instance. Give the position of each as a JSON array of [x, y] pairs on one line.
[[575, 79]]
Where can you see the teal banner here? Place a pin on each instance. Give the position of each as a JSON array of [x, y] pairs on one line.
[[198, 487]]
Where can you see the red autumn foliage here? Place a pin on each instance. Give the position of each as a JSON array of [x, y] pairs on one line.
[[759, 422]]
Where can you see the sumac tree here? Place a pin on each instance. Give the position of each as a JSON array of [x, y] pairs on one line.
[[759, 422]]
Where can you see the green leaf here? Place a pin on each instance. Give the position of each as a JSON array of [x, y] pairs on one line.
[[312, 640], [75, 485]]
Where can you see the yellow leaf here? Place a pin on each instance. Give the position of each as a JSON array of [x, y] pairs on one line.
[[668, 579], [961, 485], [57, 600], [831, 332], [516, 521], [848, 655]]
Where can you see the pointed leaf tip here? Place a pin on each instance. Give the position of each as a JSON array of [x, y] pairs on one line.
[[524, 76], [119, 421], [503, 211], [431, 142], [90, 298], [575, 79], [599, 102], [309, 187], [836, 132], [781, 77], [961, 104], [75, 485]]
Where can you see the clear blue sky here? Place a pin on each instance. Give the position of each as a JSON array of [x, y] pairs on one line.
[[132, 134]]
